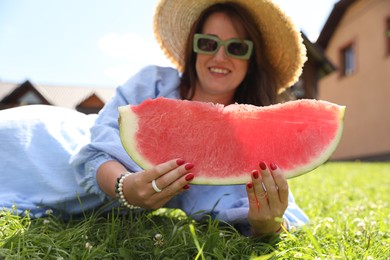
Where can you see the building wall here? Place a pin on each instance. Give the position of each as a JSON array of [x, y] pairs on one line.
[[366, 93]]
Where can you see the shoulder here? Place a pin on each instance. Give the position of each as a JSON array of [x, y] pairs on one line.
[[157, 73], [151, 82]]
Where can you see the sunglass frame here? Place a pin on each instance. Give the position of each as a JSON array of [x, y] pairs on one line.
[[224, 43]]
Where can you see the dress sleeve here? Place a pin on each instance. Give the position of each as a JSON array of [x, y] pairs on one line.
[[105, 144]]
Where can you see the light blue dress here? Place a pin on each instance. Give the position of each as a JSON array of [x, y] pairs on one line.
[[49, 157]]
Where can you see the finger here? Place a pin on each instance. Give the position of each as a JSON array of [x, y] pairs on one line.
[[269, 183], [172, 176], [260, 192], [174, 189], [179, 185], [280, 182], [163, 168], [252, 199]]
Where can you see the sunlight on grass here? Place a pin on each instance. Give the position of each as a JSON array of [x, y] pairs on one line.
[[347, 203]]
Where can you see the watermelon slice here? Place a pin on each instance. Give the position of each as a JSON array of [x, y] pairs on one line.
[[225, 143]]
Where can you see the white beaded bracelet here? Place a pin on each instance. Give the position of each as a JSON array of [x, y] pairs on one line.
[[119, 192]]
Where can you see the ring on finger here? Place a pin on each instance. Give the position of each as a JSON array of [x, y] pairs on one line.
[[154, 186]]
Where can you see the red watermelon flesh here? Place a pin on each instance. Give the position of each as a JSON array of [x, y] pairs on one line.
[[226, 143]]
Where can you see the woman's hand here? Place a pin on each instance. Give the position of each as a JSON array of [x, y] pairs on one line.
[[170, 178], [268, 199]]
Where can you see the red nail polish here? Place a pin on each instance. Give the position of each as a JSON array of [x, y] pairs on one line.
[[273, 166], [255, 174], [186, 187], [249, 185], [189, 177], [189, 166], [263, 166], [180, 162]]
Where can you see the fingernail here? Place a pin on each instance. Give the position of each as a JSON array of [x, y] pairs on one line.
[[186, 187], [263, 166], [189, 177], [255, 174], [273, 166], [189, 166], [180, 162], [249, 185]]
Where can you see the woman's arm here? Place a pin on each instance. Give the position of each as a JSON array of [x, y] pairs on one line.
[[107, 175]]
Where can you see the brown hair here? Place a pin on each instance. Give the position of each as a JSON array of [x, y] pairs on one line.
[[259, 85]]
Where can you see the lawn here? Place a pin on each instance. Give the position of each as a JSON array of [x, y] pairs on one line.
[[347, 203]]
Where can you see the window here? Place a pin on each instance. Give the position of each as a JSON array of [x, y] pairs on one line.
[[348, 60]]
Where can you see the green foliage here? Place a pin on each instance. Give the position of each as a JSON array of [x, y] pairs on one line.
[[347, 203]]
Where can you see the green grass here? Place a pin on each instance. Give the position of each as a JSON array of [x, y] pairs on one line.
[[348, 204]]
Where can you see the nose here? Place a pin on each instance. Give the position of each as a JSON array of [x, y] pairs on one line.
[[221, 54]]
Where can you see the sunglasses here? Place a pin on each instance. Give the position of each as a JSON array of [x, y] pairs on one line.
[[235, 48]]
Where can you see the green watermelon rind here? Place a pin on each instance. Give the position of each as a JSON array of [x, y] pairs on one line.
[[128, 135], [128, 138]]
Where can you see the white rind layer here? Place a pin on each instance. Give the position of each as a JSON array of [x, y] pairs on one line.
[[127, 134]]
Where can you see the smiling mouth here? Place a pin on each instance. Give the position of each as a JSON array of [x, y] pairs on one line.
[[219, 71]]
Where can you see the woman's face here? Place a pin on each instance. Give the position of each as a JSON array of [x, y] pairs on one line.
[[218, 74]]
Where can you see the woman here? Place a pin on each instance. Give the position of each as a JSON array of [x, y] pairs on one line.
[[240, 51]]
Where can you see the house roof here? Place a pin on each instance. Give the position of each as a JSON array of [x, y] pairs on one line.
[[6, 88], [326, 67], [64, 96], [332, 22]]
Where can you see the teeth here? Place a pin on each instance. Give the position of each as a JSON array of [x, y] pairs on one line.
[[221, 71]]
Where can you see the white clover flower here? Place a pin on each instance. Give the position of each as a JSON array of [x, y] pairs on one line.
[[361, 226], [46, 221], [49, 212], [88, 246], [158, 240]]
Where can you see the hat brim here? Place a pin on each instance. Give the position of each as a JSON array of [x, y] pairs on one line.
[[173, 20]]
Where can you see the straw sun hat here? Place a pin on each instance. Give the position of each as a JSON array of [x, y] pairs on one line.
[[283, 42]]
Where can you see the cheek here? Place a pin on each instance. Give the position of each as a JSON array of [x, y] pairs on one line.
[[200, 65], [243, 68]]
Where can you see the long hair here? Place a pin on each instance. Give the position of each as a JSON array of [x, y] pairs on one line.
[[259, 85]]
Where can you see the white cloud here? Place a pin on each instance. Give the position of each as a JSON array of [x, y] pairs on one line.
[[120, 73], [132, 47], [128, 53]]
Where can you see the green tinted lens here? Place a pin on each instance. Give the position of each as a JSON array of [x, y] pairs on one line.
[[238, 48], [205, 44]]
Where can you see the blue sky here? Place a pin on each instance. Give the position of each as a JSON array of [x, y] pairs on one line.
[[87, 42]]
